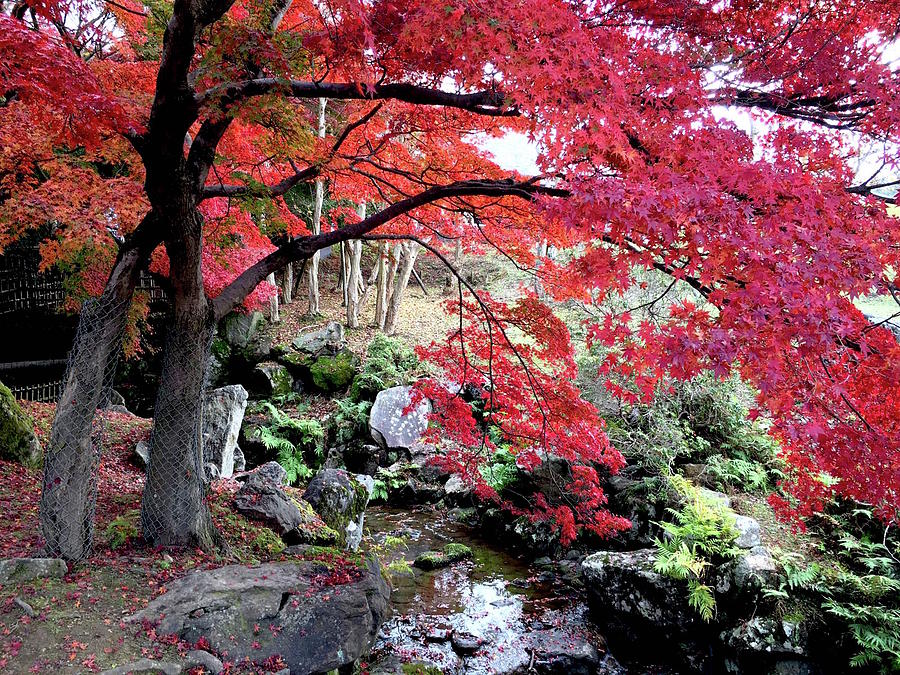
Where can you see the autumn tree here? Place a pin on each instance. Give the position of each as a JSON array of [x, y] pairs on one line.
[[180, 127]]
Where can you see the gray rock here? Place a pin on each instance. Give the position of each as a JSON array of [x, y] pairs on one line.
[[213, 373], [757, 569], [145, 666], [141, 455], [626, 583], [389, 427], [18, 442], [223, 413], [557, 652], [325, 341], [240, 329], [456, 489], [25, 607], [198, 657], [240, 462], [261, 497], [20, 570], [716, 497], [367, 481], [340, 499], [749, 532], [767, 635], [314, 628], [270, 379]]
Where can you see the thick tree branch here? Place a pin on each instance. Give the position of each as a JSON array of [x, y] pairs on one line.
[[304, 247], [492, 103]]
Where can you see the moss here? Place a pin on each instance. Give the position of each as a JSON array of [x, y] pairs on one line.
[[17, 440], [334, 373], [313, 530], [420, 669], [221, 349], [451, 553], [297, 364]]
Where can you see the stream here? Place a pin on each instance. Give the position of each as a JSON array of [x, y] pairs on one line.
[[496, 613]]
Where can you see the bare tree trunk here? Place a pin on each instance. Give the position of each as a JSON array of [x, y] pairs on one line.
[[354, 275], [273, 302], [173, 510], [386, 281], [410, 253], [71, 459], [287, 284], [313, 269]]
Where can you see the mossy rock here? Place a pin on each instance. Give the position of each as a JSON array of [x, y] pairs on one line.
[[451, 553], [334, 373], [298, 364], [313, 529], [17, 440]]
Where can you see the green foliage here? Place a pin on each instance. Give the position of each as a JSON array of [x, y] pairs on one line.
[[702, 419], [122, 529], [385, 481], [295, 440], [333, 373], [701, 535], [389, 363], [501, 471], [350, 420], [746, 475]]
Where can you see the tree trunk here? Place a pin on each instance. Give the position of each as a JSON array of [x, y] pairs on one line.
[[273, 302], [287, 284], [390, 321], [354, 275], [174, 511], [386, 281], [313, 270], [71, 459]]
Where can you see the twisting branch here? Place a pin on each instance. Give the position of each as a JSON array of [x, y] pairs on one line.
[[301, 176], [304, 247]]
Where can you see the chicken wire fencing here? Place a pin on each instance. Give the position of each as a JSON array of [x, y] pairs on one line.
[[72, 457], [173, 508], [173, 511]]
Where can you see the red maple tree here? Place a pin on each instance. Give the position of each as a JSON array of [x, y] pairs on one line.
[[183, 125]]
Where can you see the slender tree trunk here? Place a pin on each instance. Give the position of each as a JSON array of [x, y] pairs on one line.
[[313, 269], [173, 511], [287, 284], [354, 276], [387, 281], [274, 317], [409, 259], [71, 459]]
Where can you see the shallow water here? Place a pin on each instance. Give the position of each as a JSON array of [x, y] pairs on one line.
[[497, 599]]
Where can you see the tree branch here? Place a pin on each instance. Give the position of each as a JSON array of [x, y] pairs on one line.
[[492, 103], [304, 247]]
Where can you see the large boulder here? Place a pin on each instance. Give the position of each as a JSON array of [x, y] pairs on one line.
[[322, 342], [313, 627], [333, 373], [20, 570], [17, 440], [240, 329], [270, 379], [340, 499], [223, 412], [625, 583], [390, 426], [263, 498]]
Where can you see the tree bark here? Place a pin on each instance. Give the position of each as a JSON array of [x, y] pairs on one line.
[[354, 275], [386, 282], [316, 226], [173, 510], [411, 249], [274, 317], [71, 458], [287, 284]]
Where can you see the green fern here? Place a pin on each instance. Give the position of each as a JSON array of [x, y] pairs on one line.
[[290, 438]]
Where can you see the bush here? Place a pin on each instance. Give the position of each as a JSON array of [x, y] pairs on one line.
[[389, 363], [350, 420], [298, 442]]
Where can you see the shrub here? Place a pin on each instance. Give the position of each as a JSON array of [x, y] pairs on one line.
[[295, 441], [389, 363]]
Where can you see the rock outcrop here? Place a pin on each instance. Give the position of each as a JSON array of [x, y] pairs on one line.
[[223, 412], [340, 499], [312, 623]]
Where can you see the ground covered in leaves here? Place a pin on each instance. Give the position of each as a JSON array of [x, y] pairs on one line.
[[76, 624]]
